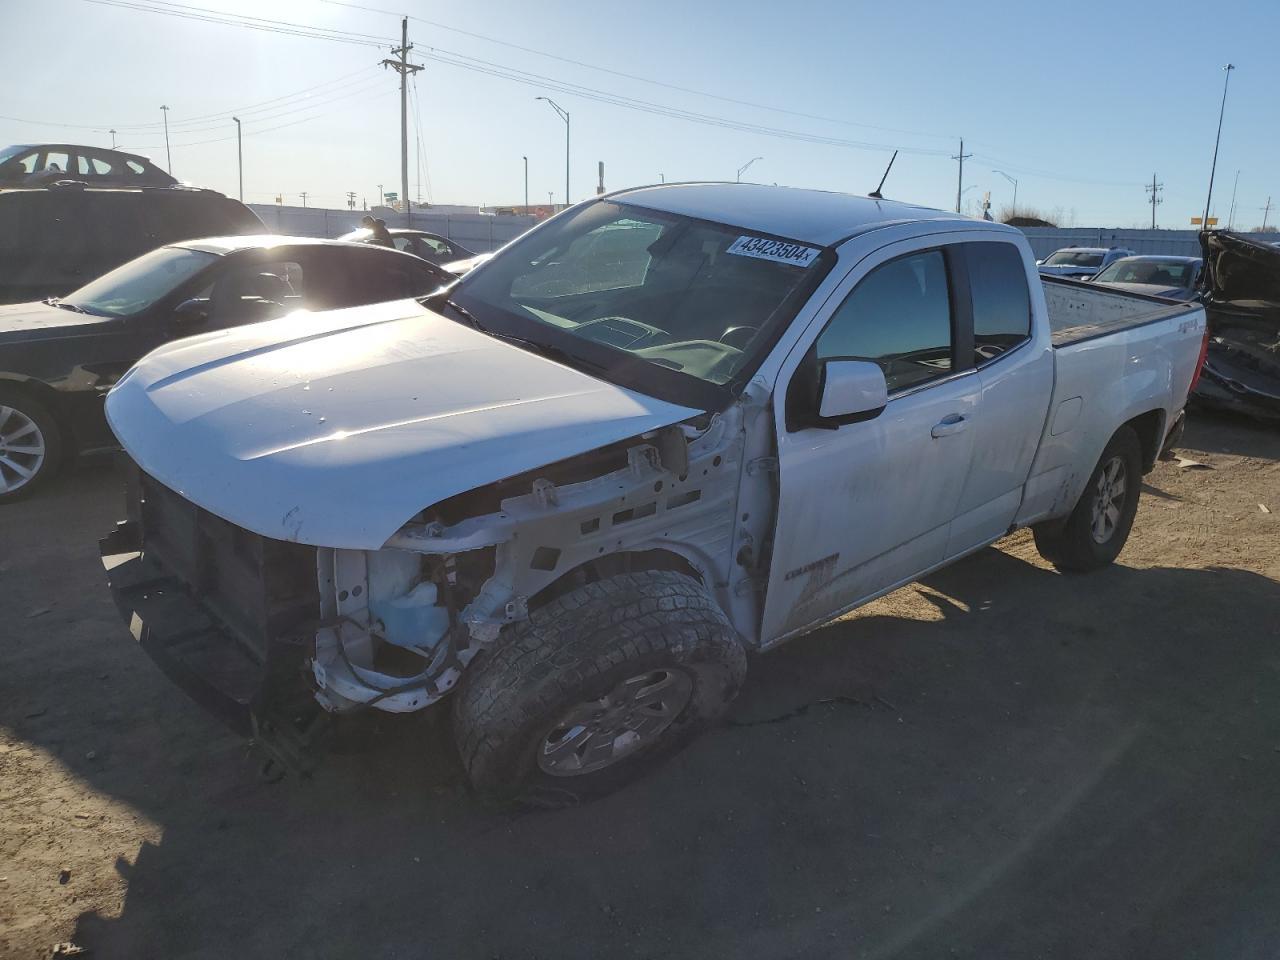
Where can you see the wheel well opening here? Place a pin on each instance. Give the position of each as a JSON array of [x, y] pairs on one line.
[[1147, 427], [611, 565]]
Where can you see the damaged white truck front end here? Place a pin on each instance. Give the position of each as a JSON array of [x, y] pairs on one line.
[[442, 590]]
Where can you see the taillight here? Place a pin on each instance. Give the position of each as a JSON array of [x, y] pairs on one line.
[[1204, 352]]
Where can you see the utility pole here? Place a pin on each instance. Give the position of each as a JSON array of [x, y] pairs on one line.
[[1212, 169], [962, 157], [405, 69], [662, 178], [1154, 189], [167, 155], [1231, 214], [239, 157], [1265, 210], [564, 115], [113, 138], [303, 195], [526, 184], [351, 199], [600, 184]]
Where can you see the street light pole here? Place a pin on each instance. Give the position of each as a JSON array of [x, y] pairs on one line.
[[1214, 167], [239, 157], [1014, 181], [526, 184], [743, 169], [167, 155], [113, 138], [564, 115], [381, 196]]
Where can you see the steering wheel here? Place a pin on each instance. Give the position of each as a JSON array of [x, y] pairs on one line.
[[738, 337]]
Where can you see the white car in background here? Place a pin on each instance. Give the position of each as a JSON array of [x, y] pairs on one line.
[[1076, 263]]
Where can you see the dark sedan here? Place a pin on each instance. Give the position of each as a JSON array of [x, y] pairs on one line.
[[40, 164], [429, 246], [59, 357], [1175, 278]]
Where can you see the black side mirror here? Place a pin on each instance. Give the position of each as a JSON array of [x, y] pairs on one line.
[[191, 312]]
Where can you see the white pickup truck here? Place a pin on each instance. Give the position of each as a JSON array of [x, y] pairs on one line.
[[665, 429]]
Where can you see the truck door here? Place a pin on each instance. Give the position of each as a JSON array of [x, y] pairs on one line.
[[868, 505], [1014, 359]]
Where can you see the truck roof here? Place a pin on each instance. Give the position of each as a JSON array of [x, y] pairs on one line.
[[814, 216]]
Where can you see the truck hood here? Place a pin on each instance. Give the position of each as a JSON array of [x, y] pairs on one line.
[[336, 428], [24, 322]]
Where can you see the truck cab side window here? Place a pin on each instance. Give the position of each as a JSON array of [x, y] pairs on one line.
[[898, 316], [1001, 301]]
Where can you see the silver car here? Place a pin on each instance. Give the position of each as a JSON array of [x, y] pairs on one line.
[[1175, 278], [1078, 263]]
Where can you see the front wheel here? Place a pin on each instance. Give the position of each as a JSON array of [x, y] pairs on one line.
[[30, 444], [595, 688], [1098, 527]]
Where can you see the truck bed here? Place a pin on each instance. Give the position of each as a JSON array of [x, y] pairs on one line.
[[1079, 311]]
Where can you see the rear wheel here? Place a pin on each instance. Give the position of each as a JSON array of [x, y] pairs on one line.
[[1098, 527], [30, 444], [595, 688]]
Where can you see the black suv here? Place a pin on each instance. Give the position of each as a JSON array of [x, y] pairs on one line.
[[57, 238]]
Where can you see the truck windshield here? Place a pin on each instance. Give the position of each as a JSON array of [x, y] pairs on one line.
[[1074, 258], [136, 285], [644, 295]]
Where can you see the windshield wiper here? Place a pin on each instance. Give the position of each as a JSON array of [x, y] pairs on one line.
[[547, 350], [63, 305]]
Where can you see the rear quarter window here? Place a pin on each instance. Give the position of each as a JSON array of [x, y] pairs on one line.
[[1001, 300]]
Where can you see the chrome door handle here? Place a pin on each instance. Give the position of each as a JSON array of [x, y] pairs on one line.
[[949, 425]]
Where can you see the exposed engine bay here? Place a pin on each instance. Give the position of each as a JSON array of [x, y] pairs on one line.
[[1242, 301]]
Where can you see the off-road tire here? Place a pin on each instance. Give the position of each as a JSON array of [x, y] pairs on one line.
[[577, 648], [50, 435], [1071, 546]]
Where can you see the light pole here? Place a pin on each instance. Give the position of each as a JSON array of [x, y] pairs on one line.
[[1213, 169], [551, 200], [526, 184], [167, 155], [564, 115], [743, 169], [113, 138], [1014, 181], [239, 157], [381, 196], [662, 177]]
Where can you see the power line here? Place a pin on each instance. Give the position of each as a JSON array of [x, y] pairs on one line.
[[637, 77], [548, 83], [239, 20]]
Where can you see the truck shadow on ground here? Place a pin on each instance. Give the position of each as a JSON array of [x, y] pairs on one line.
[[1000, 761]]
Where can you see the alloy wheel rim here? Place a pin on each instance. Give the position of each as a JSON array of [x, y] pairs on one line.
[[22, 449], [1108, 503], [599, 733]]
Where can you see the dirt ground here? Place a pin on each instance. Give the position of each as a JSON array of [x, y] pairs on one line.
[[999, 761]]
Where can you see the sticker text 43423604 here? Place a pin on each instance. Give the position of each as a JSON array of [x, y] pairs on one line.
[[779, 251]]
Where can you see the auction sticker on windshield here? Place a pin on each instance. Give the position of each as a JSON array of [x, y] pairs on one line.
[[780, 251]]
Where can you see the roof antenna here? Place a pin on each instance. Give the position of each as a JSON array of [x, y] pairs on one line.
[[876, 194]]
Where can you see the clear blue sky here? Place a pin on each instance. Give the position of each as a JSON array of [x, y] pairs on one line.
[[1081, 101]]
